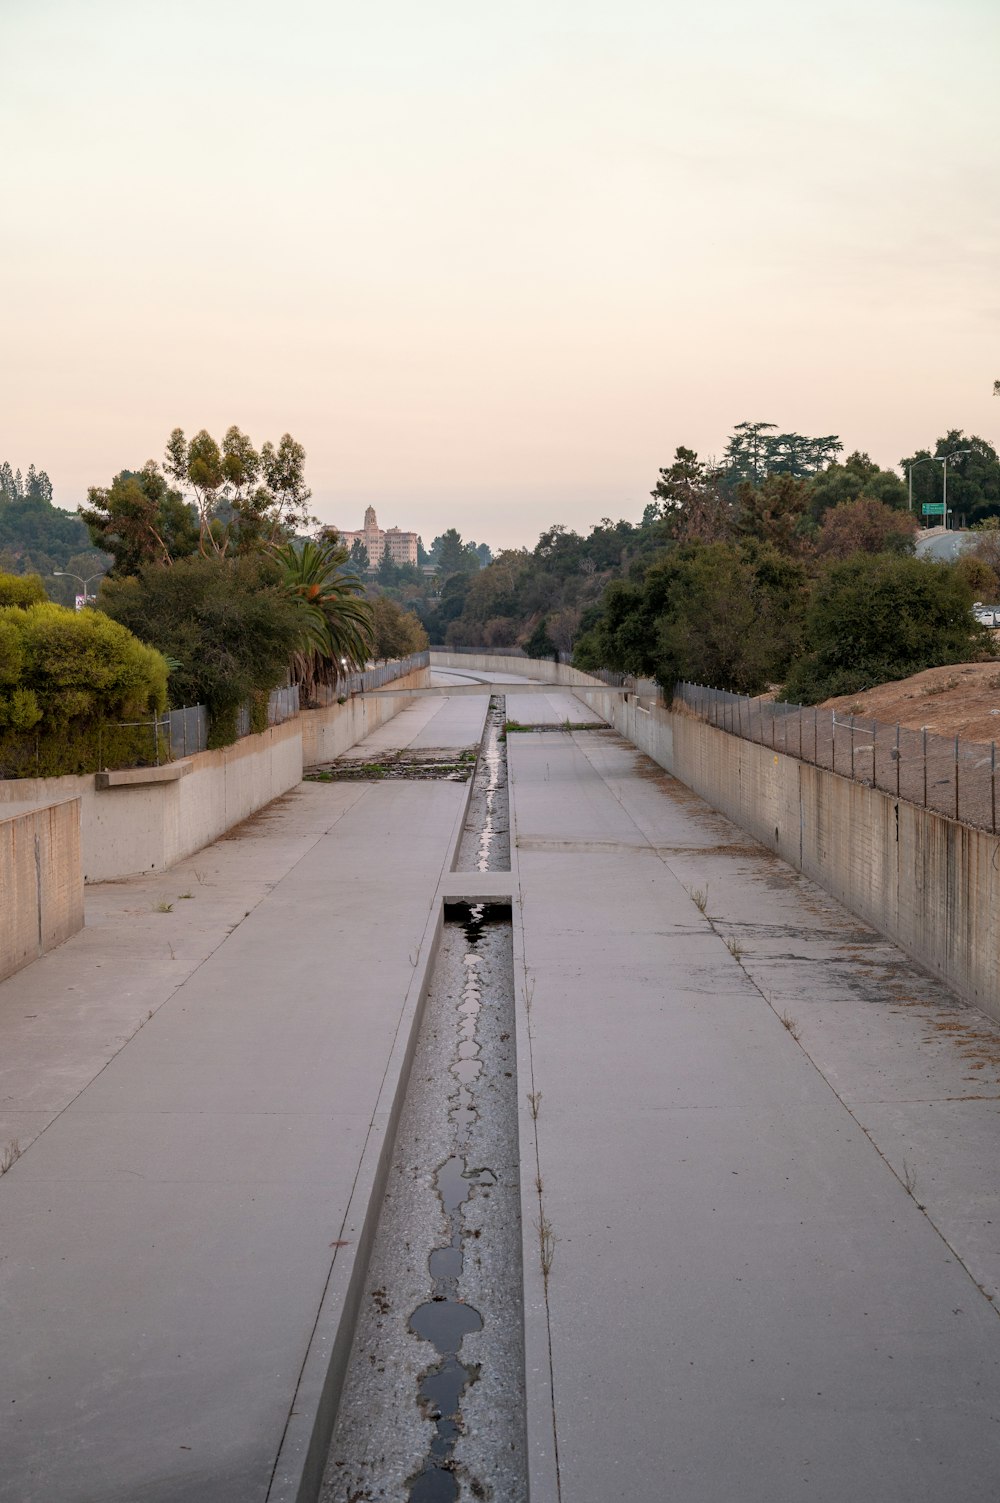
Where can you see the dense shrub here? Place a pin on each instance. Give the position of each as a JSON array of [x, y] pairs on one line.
[[714, 614], [872, 619], [228, 625], [67, 680], [21, 589]]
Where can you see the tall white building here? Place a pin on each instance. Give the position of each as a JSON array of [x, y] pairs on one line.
[[400, 546]]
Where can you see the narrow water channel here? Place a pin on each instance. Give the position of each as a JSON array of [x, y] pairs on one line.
[[433, 1408]]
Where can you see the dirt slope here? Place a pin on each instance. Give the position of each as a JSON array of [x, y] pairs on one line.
[[963, 700]]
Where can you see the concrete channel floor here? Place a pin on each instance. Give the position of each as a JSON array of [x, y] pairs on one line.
[[193, 1090], [738, 1086], [745, 1302]]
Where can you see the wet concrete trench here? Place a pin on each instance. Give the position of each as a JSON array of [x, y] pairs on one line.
[[432, 1408]]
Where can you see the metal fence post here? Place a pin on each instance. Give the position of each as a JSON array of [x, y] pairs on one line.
[[993, 783], [924, 731], [897, 759], [956, 777], [852, 747], [833, 741]]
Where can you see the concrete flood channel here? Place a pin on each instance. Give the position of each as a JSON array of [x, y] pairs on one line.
[[432, 1409]]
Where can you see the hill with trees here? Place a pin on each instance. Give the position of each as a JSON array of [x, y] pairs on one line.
[[735, 571]]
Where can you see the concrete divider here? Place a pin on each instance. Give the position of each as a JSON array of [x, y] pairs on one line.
[[930, 884], [41, 883], [132, 827]]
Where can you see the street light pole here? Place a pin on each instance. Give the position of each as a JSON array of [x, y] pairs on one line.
[[67, 574], [928, 459]]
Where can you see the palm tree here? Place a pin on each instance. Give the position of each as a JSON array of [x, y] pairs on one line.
[[336, 619]]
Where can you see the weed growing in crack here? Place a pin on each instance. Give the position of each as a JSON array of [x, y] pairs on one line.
[[534, 1101], [9, 1154], [791, 1025], [163, 907], [735, 948], [546, 1245], [699, 897], [529, 992], [538, 1183], [909, 1177]]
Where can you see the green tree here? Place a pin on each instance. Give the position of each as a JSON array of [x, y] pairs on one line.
[[774, 512], [858, 476], [244, 500], [397, 632], [756, 450], [359, 557], [35, 536], [877, 617], [715, 614], [230, 625], [452, 556], [688, 500], [140, 520]]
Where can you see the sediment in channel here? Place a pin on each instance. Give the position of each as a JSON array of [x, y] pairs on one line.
[[432, 1409]]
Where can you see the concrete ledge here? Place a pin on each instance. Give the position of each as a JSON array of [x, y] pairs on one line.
[[477, 887], [133, 777]]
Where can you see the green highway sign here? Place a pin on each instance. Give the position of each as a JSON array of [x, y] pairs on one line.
[[933, 508]]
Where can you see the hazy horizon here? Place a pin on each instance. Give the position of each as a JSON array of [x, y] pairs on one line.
[[492, 270]]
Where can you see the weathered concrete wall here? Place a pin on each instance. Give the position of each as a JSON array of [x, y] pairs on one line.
[[41, 883], [487, 662], [150, 826], [932, 885], [329, 732]]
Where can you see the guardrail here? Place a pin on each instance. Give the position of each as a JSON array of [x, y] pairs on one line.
[[953, 777]]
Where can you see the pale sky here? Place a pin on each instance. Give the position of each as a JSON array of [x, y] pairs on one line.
[[491, 265]]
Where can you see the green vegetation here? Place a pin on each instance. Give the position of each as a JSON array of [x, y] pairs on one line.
[[872, 619], [397, 631], [336, 623], [37, 537], [230, 625], [67, 680], [724, 578]]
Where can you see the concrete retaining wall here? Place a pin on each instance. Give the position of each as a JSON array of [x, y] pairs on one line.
[[329, 732], [487, 662], [132, 828], [41, 883]]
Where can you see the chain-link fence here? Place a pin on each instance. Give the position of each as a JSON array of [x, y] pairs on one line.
[[944, 773]]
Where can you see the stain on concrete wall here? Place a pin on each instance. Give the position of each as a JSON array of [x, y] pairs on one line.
[[41, 882]]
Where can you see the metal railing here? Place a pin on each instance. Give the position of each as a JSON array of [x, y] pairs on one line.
[[371, 678], [944, 773]]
